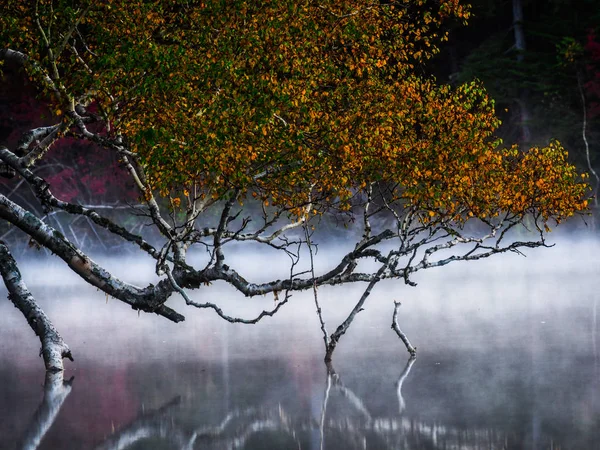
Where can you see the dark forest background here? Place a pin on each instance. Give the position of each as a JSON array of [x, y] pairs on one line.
[[540, 61]]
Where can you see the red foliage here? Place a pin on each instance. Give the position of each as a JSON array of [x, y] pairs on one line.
[[592, 85], [77, 171]]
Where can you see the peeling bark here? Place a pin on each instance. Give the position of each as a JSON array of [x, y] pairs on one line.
[[54, 348], [56, 390]]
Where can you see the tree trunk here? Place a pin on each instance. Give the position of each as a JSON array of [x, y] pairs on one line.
[[518, 29], [54, 348], [521, 48]]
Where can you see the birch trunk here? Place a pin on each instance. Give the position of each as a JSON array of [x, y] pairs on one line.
[[54, 348]]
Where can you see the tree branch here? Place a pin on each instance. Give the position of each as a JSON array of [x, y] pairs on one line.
[[396, 327], [150, 299], [42, 191], [54, 348]]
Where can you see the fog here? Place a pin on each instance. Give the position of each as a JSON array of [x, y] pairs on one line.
[[509, 296], [501, 294], [508, 344]]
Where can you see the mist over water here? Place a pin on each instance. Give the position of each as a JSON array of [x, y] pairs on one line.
[[507, 358]]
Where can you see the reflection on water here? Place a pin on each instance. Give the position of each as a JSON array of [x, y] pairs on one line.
[[56, 390], [508, 360]]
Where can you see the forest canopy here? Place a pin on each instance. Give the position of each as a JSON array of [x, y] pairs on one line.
[[308, 107], [286, 100]]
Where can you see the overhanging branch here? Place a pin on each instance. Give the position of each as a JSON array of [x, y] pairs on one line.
[[149, 299]]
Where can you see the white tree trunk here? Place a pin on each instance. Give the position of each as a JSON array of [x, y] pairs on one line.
[[54, 348]]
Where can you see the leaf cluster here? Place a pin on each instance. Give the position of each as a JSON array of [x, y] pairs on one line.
[[292, 102]]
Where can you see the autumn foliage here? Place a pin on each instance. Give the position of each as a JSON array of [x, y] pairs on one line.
[[302, 107], [290, 101]]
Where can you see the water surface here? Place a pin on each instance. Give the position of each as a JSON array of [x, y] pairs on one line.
[[508, 358]]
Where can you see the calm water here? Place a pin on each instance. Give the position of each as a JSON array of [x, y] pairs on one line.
[[508, 358]]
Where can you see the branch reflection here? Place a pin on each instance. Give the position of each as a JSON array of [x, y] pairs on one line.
[[343, 415], [403, 376], [56, 390], [152, 425]]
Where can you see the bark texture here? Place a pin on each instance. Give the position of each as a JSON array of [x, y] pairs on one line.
[[150, 299], [54, 348]]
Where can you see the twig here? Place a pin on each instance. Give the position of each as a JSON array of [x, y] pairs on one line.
[[314, 287], [218, 310]]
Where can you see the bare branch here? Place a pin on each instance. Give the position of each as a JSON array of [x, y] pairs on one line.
[[46, 41], [314, 286], [396, 327], [31, 157], [69, 33], [53, 348], [150, 299], [33, 135], [339, 332], [42, 191]]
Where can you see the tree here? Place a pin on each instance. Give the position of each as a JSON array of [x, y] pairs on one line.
[[307, 109], [534, 75]]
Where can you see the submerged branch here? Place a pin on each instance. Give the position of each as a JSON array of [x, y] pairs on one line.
[[396, 327], [53, 348]]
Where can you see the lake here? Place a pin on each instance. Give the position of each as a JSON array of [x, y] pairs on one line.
[[508, 358]]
